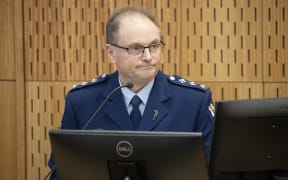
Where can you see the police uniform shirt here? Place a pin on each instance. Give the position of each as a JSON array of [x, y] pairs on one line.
[[143, 94], [174, 104]]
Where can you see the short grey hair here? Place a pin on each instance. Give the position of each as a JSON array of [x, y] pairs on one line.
[[113, 24]]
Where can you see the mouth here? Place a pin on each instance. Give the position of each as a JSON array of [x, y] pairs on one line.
[[146, 67]]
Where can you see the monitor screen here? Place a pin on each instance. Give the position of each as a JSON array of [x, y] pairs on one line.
[[250, 140], [128, 155]]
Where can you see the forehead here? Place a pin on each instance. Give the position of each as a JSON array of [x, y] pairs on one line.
[[136, 28]]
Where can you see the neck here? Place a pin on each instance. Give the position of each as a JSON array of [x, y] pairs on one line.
[[137, 86]]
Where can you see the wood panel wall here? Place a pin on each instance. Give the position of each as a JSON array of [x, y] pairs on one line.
[[237, 48], [8, 138], [12, 110], [224, 44]]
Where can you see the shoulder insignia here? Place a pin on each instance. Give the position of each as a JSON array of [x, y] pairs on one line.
[[183, 82], [89, 83], [212, 109]]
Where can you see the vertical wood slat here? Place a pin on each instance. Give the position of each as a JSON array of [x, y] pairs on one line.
[[275, 40], [20, 89], [12, 87], [7, 57], [8, 137]]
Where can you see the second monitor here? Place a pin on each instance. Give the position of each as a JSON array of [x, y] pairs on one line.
[[250, 140]]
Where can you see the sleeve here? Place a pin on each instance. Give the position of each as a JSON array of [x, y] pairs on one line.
[[206, 122], [69, 119], [52, 167]]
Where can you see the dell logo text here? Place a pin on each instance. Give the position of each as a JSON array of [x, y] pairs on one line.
[[124, 149]]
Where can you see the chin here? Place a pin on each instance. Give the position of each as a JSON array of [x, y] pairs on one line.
[[150, 72], [148, 75]]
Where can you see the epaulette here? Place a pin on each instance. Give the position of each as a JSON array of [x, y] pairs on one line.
[[183, 82], [90, 83]]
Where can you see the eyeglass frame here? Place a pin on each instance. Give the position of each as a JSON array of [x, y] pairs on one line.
[[161, 45]]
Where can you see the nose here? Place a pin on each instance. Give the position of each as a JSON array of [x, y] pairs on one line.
[[147, 54]]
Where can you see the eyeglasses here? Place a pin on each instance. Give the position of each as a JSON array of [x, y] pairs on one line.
[[137, 50]]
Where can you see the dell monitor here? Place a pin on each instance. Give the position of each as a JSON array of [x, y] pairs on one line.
[[128, 155], [250, 140]]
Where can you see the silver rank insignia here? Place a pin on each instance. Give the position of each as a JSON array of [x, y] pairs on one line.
[[212, 109], [182, 81]]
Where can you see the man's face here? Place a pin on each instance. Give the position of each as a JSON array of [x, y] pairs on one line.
[[135, 31]]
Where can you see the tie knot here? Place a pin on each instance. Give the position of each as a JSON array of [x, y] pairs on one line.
[[135, 101]]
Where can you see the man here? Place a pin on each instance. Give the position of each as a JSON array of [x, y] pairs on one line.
[[167, 103]]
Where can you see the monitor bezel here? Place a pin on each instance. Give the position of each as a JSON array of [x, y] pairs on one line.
[[135, 136]]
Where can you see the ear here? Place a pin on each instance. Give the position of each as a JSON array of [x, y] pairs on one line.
[[111, 53]]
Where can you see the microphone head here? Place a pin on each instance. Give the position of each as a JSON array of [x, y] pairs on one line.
[[129, 85]]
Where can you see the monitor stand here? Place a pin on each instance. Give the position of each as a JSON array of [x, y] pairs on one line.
[[127, 170]]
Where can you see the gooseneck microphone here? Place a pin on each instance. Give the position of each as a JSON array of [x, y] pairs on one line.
[[128, 85]]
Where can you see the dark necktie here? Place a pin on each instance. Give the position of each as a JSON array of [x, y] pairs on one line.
[[135, 115]]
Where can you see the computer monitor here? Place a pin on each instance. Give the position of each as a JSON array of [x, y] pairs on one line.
[[128, 155], [250, 140]]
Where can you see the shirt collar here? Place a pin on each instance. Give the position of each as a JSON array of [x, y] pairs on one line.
[[143, 94]]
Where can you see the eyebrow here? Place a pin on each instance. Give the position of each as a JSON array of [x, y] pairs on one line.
[[139, 44]]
